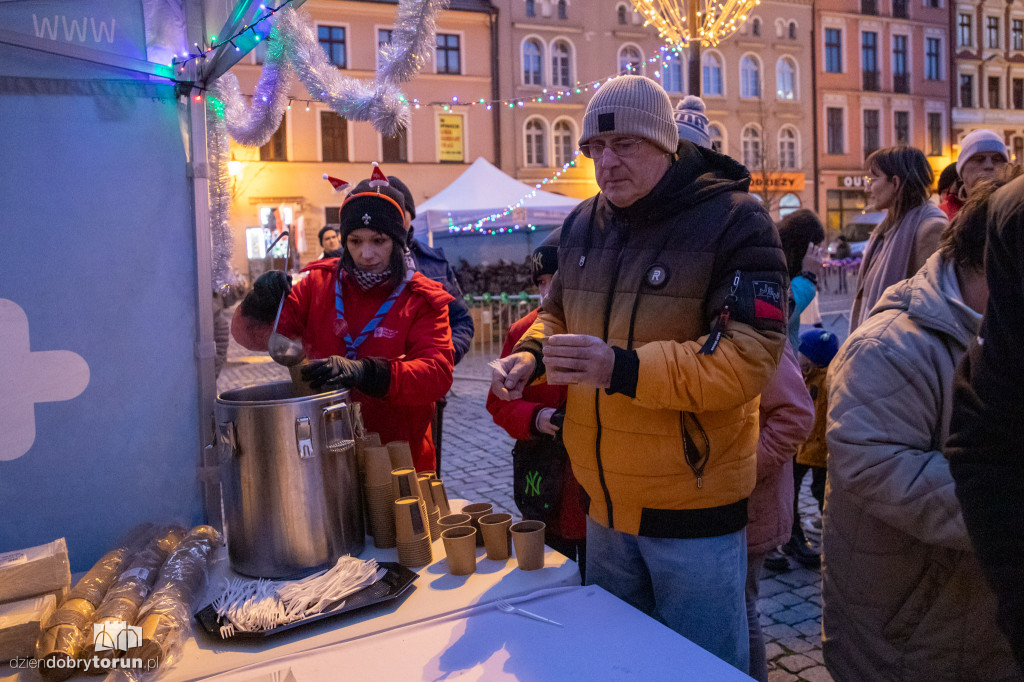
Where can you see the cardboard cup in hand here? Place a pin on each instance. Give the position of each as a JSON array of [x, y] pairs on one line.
[[460, 549], [528, 538], [475, 511], [497, 541]]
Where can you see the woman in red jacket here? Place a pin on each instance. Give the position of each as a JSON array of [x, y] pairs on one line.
[[545, 489], [367, 323]]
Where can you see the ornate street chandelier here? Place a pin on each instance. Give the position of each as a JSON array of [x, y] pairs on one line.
[[704, 22]]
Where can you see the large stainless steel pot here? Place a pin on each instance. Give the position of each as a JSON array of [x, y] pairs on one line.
[[291, 496]]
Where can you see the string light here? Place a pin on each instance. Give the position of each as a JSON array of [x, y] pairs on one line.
[[717, 22], [202, 52]]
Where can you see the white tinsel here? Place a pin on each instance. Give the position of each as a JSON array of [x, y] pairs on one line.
[[412, 41], [220, 195]]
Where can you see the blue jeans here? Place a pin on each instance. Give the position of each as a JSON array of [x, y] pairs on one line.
[[694, 586]]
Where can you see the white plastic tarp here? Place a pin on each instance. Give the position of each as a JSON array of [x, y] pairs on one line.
[[482, 191]]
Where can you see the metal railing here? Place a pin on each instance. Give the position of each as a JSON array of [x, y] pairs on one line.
[[492, 318]]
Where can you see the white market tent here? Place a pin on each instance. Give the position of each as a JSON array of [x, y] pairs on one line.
[[482, 191]]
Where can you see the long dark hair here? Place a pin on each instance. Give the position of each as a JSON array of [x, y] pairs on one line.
[[397, 263], [797, 230], [911, 167]]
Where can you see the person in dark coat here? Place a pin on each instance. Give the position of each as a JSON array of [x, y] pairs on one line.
[[432, 264], [986, 437]]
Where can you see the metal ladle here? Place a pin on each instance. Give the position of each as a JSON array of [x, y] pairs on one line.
[[283, 350]]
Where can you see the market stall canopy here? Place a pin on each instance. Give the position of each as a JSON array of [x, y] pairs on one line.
[[482, 191]]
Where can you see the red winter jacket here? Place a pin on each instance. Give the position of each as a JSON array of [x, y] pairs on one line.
[[517, 417], [414, 336]]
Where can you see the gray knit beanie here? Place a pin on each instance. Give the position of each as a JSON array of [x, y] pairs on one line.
[[632, 105], [691, 121]]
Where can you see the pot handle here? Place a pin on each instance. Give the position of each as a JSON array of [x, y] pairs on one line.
[[227, 442], [337, 437]]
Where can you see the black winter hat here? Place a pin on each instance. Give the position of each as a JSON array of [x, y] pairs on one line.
[[377, 209], [410, 204], [545, 256]]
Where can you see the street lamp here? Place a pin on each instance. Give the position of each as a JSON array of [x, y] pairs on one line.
[[692, 23]]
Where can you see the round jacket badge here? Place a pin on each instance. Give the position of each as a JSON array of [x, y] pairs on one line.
[[656, 276]]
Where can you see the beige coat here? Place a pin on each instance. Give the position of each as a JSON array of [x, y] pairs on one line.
[[903, 595]]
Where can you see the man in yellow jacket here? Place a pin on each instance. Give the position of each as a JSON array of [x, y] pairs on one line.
[[666, 319]]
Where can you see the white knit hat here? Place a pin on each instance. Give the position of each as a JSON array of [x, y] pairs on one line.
[[632, 105], [691, 121], [977, 141]]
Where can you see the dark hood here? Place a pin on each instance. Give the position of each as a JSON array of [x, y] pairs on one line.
[[697, 175]]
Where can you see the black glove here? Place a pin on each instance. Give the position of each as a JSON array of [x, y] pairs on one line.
[[558, 421], [261, 303], [372, 376]]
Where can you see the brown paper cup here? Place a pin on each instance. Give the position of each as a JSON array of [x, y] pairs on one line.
[[460, 549], [378, 467], [423, 480], [440, 497], [455, 520], [404, 483], [475, 511], [497, 541], [401, 455], [528, 538], [410, 524]]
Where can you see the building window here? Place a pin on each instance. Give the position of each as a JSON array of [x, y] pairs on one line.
[[833, 50], [868, 7], [1017, 34], [788, 204], [672, 72], [834, 126], [621, 13], [932, 59], [964, 35], [563, 11], [333, 137], [966, 90], [994, 86], [535, 143], [564, 145], [755, 27], [395, 149], [785, 79], [787, 149], [901, 127], [1018, 93], [332, 215], [561, 64], [869, 60], [448, 53], [332, 39], [899, 9], [383, 38], [750, 78], [531, 8], [1018, 149], [751, 147], [934, 4], [992, 32], [532, 63], [276, 148], [871, 131], [792, 30], [900, 78], [715, 133], [934, 134], [711, 75], [629, 60]]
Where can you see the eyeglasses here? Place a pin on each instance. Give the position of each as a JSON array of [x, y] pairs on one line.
[[621, 148]]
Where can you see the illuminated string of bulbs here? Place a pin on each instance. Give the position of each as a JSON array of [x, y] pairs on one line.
[[182, 61], [478, 226], [716, 19]]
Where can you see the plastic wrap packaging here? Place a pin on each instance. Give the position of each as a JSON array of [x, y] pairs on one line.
[[35, 571], [66, 632], [20, 625], [166, 615], [124, 598]]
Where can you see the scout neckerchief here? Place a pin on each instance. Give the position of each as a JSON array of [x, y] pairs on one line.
[[341, 326]]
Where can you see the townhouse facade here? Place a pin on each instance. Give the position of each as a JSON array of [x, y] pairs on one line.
[[883, 78], [988, 63]]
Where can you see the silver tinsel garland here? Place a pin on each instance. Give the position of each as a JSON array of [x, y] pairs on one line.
[[412, 41], [218, 153]]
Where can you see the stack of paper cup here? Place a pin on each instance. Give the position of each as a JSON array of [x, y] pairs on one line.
[[440, 497], [433, 513], [377, 491], [413, 535], [401, 455], [370, 440]]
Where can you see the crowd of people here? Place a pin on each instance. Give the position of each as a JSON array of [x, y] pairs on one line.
[[666, 406]]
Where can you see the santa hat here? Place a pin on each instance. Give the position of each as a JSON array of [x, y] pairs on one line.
[[339, 184], [377, 178]]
